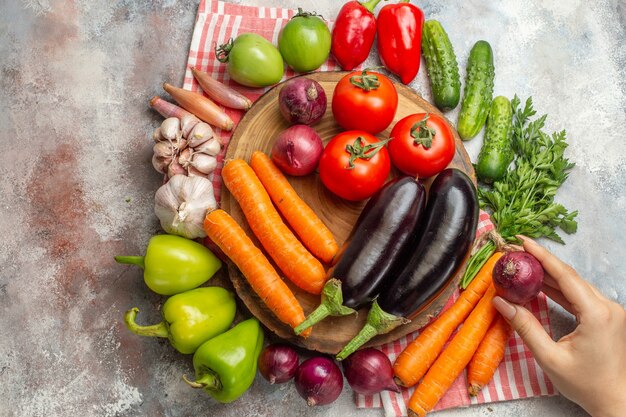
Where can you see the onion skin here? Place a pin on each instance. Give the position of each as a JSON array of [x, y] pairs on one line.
[[369, 371], [297, 150], [319, 381], [518, 277], [302, 101], [278, 363]]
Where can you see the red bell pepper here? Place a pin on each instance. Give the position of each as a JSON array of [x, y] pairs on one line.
[[353, 33], [400, 38]]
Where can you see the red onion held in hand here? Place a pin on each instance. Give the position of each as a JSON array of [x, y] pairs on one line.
[[369, 371], [302, 101], [518, 277], [278, 363], [297, 150], [319, 381]]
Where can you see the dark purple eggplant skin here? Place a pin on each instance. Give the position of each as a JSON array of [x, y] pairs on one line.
[[379, 241], [444, 243]]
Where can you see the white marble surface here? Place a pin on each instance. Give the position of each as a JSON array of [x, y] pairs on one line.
[[77, 187]]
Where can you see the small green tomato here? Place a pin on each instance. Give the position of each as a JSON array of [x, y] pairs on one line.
[[304, 42], [252, 60]]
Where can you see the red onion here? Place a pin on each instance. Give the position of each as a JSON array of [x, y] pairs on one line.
[[297, 150], [369, 371], [302, 100], [319, 380], [278, 363], [518, 277]]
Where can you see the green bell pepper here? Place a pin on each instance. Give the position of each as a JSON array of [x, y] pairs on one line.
[[174, 264], [226, 365], [190, 318]]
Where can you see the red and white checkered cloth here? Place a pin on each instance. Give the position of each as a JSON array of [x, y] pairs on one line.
[[518, 376]]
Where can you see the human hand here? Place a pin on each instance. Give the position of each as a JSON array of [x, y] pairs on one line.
[[588, 366]]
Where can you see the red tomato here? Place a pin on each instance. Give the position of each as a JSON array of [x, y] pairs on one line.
[[354, 165], [365, 101], [422, 145]]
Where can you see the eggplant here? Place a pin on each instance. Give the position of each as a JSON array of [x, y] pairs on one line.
[[379, 239], [446, 236], [375, 251], [443, 243]]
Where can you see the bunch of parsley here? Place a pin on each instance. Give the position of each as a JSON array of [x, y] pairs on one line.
[[522, 202]]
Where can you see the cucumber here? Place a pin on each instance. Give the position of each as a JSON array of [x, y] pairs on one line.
[[478, 91], [497, 151], [442, 65]]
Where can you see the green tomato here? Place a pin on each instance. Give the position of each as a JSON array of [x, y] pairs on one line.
[[304, 42], [252, 60]]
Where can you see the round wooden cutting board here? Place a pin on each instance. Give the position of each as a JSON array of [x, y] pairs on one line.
[[257, 131]]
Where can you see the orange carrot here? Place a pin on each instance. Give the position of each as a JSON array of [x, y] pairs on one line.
[[488, 356], [419, 355], [280, 243], [454, 357], [224, 231], [302, 219]]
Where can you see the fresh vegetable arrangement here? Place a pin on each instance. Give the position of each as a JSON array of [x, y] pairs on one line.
[[409, 241]]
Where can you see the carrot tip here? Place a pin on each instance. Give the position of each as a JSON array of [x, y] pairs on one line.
[[474, 389]]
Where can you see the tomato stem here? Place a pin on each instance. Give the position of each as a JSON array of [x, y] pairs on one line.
[[422, 134], [365, 81], [302, 13], [222, 51], [359, 150]]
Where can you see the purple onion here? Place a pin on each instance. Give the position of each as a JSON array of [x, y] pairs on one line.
[[518, 277], [319, 381], [369, 371], [278, 363], [297, 150], [302, 100]]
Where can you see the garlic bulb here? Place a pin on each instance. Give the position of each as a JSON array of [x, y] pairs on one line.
[[185, 146], [182, 203]]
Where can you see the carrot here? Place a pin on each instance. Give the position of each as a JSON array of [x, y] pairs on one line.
[[280, 243], [488, 356], [419, 355], [224, 231], [454, 357], [302, 219]]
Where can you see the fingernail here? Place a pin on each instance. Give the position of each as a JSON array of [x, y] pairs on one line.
[[505, 308]]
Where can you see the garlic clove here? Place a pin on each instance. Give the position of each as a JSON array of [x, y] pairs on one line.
[[161, 163], [201, 133], [174, 168], [211, 147], [156, 135], [187, 123], [170, 128], [203, 162], [184, 158], [163, 149], [193, 172]]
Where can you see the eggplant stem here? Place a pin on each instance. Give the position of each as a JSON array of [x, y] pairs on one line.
[[378, 322], [331, 304]]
